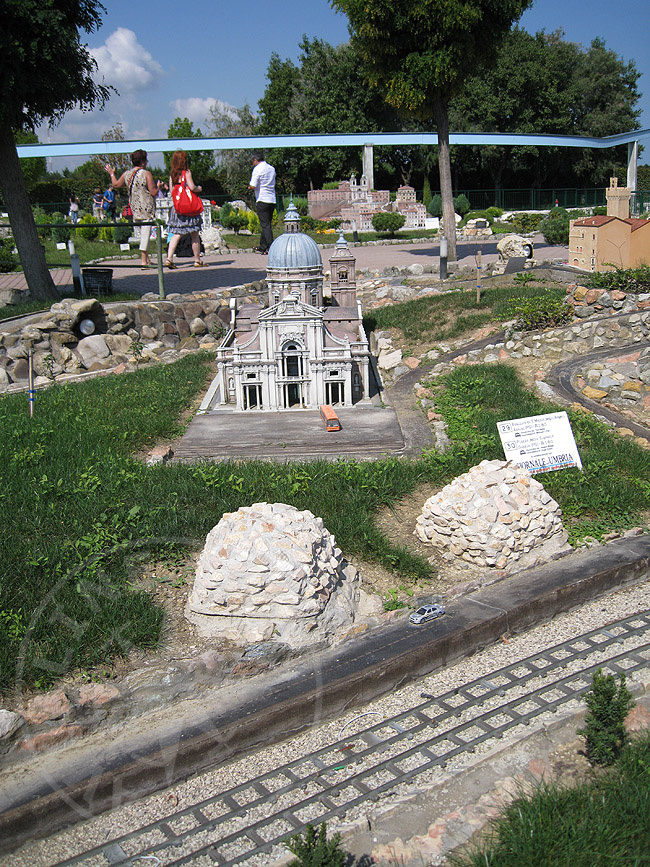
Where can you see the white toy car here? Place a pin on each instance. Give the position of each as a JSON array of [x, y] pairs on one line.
[[427, 612]]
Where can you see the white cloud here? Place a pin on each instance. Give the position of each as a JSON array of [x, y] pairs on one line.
[[125, 64], [197, 109]]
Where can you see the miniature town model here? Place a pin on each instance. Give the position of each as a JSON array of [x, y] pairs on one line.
[[355, 204], [296, 352], [615, 240]]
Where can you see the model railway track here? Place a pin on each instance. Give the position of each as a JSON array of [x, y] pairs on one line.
[[247, 823]]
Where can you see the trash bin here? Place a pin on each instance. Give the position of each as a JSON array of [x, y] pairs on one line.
[[98, 281]]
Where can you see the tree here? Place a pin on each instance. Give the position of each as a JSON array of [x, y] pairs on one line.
[[201, 162], [388, 222], [225, 121], [34, 168], [417, 51], [45, 72], [544, 84], [122, 162], [604, 731]]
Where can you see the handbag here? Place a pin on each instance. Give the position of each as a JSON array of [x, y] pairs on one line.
[[186, 203]]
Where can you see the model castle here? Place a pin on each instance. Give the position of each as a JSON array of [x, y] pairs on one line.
[[355, 204]]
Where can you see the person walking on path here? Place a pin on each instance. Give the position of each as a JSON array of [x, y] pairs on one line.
[[181, 224], [263, 183], [142, 190], [108, 203], [98, 212], [73, 213]]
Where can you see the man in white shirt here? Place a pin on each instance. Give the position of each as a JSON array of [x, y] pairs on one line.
[[263, 182]]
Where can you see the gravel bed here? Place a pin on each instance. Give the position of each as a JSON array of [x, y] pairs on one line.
[[593, 615]]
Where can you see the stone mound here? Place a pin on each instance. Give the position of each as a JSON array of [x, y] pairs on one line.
[[271, 571], [492, 515]]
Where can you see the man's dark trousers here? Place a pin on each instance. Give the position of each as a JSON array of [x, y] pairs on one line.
[[265, 213]]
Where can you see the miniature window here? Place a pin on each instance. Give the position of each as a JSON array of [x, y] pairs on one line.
[[334, 373]]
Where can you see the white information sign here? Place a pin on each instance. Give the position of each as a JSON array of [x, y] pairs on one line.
[[125, 247], [60, 246], [540, 443]]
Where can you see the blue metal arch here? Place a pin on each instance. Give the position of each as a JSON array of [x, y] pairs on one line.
[[63, 149]]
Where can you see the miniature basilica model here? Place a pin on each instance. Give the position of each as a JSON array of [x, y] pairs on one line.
[[296, 352]]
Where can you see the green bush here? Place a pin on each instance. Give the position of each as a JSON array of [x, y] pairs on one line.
[[494, 212], [623, 279], [106, 234], [461, 205], [600, 211], [88, 227], [476, 215], [301, 205], [7, 259], [435, 206], [308, 224], [60, 234], [524, 222], [123, 232], [537, 311], [313, 849], [555, 227], [608, 704], [253, 223], [388, 223], [234, 220], [226, 210]]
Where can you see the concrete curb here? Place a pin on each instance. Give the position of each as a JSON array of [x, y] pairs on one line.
[[270, 708]]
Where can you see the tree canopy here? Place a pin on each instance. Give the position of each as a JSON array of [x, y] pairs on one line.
[[201, 162], [45, 71], [417, 52]]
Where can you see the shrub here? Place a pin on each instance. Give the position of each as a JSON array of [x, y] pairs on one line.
[[388, 223], [477, 215], [253, 222], [494, 212], [335, 223], [88, 227], [308, 224], [106, 234], [538, 311], [555, 227], [600, 211], [435, 206], [60, 234], [524, 222], [123, 232], [624, 279], [608, 704], [7, 259], [313, 849], [461, 204], [302, 205], [234, 220], [226, 210]]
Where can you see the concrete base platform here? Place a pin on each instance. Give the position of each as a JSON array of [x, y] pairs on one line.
[[366, 432]]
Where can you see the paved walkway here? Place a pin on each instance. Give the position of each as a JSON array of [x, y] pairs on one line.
[[236, 268]]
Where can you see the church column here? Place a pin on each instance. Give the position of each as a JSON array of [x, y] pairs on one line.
[[368, 168]]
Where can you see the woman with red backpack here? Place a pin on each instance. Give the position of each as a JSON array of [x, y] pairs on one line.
[[185, 218]]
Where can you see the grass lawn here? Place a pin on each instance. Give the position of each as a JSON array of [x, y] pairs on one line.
[[82, 515], [599, 823]]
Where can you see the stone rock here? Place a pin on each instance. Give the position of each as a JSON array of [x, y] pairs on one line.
[[389, 360], [514, 245], [271, 571], [10, 722], [46, 707], [492, 516], [93, 349]]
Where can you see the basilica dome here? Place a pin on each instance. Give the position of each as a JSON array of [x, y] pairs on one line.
[[293, 249]]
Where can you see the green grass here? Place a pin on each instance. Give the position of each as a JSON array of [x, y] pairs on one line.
[[81, 516], [444, 317], [604, 822]]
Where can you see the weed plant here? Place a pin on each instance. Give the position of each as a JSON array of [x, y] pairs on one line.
[[608, 704], [601, 823]]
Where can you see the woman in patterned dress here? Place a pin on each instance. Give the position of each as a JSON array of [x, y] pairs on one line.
[[142, 191], [179, 224]]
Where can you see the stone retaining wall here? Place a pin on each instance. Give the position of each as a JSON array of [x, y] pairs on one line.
[[123, 333], [589, 302]]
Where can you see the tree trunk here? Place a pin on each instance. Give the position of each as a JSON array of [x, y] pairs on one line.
[[23, 226], [441, 118]]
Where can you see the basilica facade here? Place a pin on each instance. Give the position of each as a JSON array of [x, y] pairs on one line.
[[297, 351]]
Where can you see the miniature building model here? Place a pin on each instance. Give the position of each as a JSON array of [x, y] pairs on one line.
[[296, 352], [356, 204], [603, 243]]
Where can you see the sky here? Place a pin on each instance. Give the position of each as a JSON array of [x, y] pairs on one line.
[[167, 60]]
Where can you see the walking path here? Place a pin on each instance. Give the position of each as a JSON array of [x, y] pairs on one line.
[[235, 268]]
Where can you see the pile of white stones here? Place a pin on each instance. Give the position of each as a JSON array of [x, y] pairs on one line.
[[271, 571], [492, 515]]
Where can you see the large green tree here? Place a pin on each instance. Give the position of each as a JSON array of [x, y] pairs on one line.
[[418, 53], [226, 121], [45, 71], [543, 84], [201, 162]]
